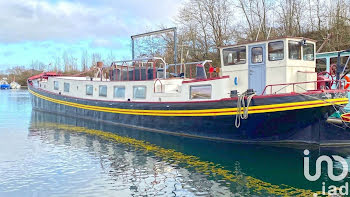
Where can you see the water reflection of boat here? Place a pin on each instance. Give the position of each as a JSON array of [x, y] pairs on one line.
[[270, 165], [129, 168]]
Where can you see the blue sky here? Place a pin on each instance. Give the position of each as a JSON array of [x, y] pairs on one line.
[[41, 30]]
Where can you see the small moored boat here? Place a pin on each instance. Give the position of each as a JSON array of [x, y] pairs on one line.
[[15, 85], [4, 85]]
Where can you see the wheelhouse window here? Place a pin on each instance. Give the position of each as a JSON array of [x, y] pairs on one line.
[[119, 91], [103, 90], [55, 85], [257, 55], [200, 92], [233, 56], [321, 65], [89, 89], [139, 92], [276, 51], [66, 87], [308, 52], [343, 60], [294, 49]]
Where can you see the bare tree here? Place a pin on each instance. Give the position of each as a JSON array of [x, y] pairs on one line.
[[110, 58], [66, 61], [95, 57], [256, 14], [84, 60], [206, 25]]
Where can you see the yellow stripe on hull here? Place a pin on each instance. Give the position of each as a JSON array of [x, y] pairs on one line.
[[202, 112]]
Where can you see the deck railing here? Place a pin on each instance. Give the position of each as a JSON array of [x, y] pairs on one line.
[[189, 67], [297, 84], [154, 68]]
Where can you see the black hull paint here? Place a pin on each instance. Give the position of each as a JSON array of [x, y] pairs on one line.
[[294, 126]]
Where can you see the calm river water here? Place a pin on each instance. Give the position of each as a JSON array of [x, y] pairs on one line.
[[43, 154]]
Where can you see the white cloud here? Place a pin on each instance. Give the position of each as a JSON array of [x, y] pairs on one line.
[[38, 20]]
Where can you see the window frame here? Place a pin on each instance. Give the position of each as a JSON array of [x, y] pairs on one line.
[[238, 49], [194, 86], [86, 90], [268, 50], [300, 50], [119, 86], [99, 90], [343, 60], [133, 91], [318, 68], [65, 85], [313, 50], [252, 55], [56, 85]]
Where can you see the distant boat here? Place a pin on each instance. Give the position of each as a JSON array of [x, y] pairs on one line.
[[4, 85], [15, 85]]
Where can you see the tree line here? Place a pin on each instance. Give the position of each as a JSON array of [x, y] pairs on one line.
[[208, 24], [67, 64], [205, 25]]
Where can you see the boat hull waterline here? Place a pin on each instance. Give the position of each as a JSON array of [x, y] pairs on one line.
[[294, 118]]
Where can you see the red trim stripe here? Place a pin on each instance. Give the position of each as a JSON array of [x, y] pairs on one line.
[[210, 79]]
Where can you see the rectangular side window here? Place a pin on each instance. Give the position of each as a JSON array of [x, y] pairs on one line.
[[276, 51], [321, 65], [294, 50], [257, 55], [233, 56], [139, 92], [119, 92], [66, 87], [308, 52], [103, 90], [343, 60], [89, 90], [55, 85], [200, 92]]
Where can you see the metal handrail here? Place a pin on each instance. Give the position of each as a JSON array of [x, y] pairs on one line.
[[139, 60], [191, 63], [153, 60], [204, 62], [296, 83]]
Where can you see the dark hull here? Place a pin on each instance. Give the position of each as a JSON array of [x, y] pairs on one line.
[[304, 125]]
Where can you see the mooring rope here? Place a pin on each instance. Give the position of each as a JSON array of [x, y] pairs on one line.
[[241, 106], [333, 104], [316, 98]]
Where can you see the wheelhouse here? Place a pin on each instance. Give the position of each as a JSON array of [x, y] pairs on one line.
[[260, 65]]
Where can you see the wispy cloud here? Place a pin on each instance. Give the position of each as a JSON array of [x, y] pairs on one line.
[[66, 24], [24, 20]]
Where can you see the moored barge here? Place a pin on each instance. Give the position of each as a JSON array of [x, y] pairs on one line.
[[264, 91]]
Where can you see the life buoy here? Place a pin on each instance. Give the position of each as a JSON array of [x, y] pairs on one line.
[[347, 82]]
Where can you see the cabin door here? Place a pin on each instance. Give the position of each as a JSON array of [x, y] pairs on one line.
[[257, 67]]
